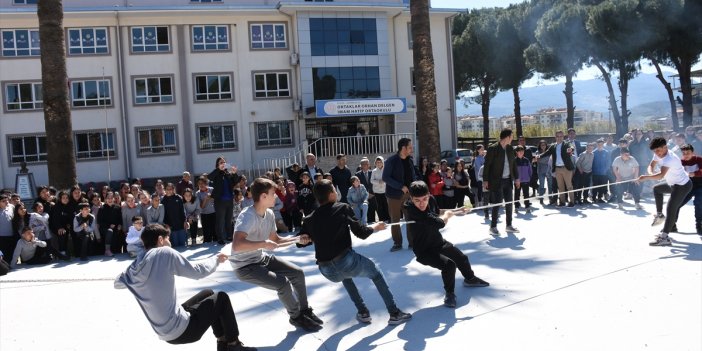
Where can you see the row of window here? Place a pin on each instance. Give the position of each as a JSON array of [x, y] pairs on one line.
[[95, 145], [34, 2], [147, 39], [147, 90]]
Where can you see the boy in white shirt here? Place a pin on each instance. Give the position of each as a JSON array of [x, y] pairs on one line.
[[677, 184]]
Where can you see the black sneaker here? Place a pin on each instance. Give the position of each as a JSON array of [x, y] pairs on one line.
[[396, 248], [450, 300], [399, 317], [698, 227], [475, 282], [309, 314], [364, 317], [305, 323], [238, 346]]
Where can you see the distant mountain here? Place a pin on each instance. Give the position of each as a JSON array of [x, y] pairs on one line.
[[647, 97]]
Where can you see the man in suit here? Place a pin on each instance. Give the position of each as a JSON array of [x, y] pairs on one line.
[[578, 146], [499, 172], [364, 175], [562, 161], [311, 166]]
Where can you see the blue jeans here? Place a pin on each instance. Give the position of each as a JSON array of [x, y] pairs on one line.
[[361, 212], [354, 265], [544, 180], [178, 238]]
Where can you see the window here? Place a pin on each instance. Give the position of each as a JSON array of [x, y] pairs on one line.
[[343, 36], [23, 96], [213, 87], [268, 36], [345, 82], [154, 141], [24, 2], [90, 93], [20, 42], [274, 134], [153, 90], [217, 137], [94, 145], [150, 39], [271, 85], [210, 38], [31, 148], [87, 41]]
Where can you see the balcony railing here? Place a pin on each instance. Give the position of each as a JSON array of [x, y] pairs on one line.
[[367, 145]]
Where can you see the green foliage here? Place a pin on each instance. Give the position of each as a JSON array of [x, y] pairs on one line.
[[537, 130]]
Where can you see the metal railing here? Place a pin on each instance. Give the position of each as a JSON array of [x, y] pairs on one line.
[[367, 145]]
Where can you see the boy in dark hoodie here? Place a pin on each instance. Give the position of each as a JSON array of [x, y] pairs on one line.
[[429, 245], [305, 198]]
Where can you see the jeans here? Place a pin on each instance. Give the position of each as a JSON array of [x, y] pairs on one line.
[[353, 265], [600, 181], [224, 210], [584, 180], [179, 238], [498, 193], [447, 260], [361, 212], [631, 187], [677, 195], [282, 276], [209, 309], [545, 180]]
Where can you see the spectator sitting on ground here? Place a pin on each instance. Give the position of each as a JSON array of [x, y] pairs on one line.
[[134, 244], [29, 250]]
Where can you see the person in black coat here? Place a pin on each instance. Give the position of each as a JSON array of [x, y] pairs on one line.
[[562, 164], [341, 176], [498, 180], [223, 182]]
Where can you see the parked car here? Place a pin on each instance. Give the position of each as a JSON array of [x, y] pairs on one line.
[[452, 156]]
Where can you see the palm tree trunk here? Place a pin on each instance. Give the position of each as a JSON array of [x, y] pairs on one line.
[[517, 111], [61, 162], [612, 99], [570, 118], [429, 142], [669, 90]]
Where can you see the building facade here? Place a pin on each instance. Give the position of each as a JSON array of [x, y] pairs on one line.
[[159, 87]]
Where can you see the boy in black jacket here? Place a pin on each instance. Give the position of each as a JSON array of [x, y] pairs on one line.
[[328, 227], [429, 245]]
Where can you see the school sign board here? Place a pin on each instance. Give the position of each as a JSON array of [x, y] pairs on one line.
[[361, 107]]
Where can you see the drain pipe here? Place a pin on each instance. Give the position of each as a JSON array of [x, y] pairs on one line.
[[123, 104]]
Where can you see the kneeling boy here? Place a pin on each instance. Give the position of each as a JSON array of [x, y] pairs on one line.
[[429, 245]]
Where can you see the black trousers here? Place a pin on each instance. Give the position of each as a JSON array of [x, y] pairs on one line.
[[208, 226], [382, 204], [498, 193], [224, 211], [7, 245], [208, 309], [372, 208], [677, 196], [447, 260]]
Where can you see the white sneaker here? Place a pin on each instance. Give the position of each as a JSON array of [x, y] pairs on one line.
[[661, 239], [494, 232], [620, 206], [511, 229], [658, 219], [638, 207]]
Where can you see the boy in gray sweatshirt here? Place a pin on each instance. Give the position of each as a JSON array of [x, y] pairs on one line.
[[151, 279], [29, 249], [583, 173]]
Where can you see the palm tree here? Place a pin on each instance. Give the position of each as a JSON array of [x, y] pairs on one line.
[[427, 116], [61, 161]]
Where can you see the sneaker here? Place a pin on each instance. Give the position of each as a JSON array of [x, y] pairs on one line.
[[620, 206], [309, 314], [586, 202], [661, 240], [399, 317], [108, 253], [396, 248], [450, 300], [475, 282], [494, 231], [511, 229], [528, 210], [363, 317], [238, 346], [305, 323], [570, 204], [658, 219], [638, 207]]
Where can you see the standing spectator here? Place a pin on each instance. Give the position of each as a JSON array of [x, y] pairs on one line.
[[311, 166], [305, 199], [461, 184], [600, 171], [562, 164], [449, 190], [207, 210], [500, 171], [422, 168], [130, 210], [543, 170], [436, 184], [174, 216], [626, 168], [609, 143], [341, 176], [155, 213], [677, 184], [398, 174], [184, 183], [584, 168], [109, 220], [478, 162], [358, 200], [293, 172], [293, 212], [693, 166], [364, 175], [578, 147], [61, 221], [523, 165], [379, 189], [7, 237], [191, 204], [639, 150], [223, 181]]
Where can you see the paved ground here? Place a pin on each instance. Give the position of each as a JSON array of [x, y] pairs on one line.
[[572, 279]]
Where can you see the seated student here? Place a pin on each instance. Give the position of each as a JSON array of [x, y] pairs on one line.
[[134, 244], [357, 197], [328, 228], [84, 225], [429, 245], [255, 232], [151, 279], [30, 250], [4, 266]]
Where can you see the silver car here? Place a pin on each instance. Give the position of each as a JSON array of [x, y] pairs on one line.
[[452, 156]]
